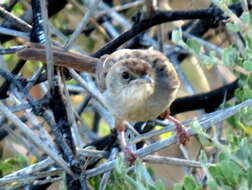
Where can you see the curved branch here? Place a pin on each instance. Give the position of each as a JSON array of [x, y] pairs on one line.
[[209, 101], [160, 17]]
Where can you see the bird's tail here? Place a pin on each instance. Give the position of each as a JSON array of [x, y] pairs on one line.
[[82, 63]]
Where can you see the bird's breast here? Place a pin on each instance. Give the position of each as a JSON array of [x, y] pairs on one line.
[[138, 105]]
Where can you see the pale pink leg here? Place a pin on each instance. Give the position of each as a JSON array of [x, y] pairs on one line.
[[182, 136], [129, 155]]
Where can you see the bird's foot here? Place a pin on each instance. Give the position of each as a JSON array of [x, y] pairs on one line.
[[129, 156], [182, 135]]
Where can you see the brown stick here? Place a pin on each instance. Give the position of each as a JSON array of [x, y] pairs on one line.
[[82, 63]]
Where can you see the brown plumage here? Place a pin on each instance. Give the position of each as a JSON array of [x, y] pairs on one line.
[[137, 85], [130, 99]]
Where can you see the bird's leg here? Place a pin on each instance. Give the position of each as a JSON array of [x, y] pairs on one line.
[[129, 155], [182, 136]]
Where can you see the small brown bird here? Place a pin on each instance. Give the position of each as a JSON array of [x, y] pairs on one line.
[[137, 85]]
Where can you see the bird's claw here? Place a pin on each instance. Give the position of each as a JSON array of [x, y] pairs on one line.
[[129, 156], [182, 135]]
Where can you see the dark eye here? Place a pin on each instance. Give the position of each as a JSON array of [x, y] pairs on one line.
[[161, 69], [125, 75]]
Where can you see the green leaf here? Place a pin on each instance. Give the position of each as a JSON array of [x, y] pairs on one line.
[[250, 80], [244, 152], [177, 37], [12, 164], [232, 172], [208, 60], [178, 187], [120, 166], [247, 92], [249, 41], [233, 27], [247, 65], [229, 56], [159, 185], [189, 183], [142, 174], [205, 141], [245, 17], [196, 128], [216, 173], [203, 157], [135, 183], [193, 45], [17, 9], [249, 32], [222, 157], [249, 177], [212, 185]]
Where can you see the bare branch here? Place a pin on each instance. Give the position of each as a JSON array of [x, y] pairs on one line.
[[26, 130], [11, 32], [155, 159], [19, 23]]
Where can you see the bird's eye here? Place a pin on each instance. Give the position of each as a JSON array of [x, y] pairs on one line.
[[161, 69], [125, 75]]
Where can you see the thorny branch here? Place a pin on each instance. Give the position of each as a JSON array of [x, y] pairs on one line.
[[52, 107], [206, 121]]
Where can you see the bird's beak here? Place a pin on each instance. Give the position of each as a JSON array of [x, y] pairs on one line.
[[148, 79]]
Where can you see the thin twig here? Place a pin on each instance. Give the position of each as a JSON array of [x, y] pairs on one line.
[[119, 8], [116, 16], [220, 116], [26, 130], [48, 179], [82, 23], [162, 17], [245, 5], [27, 179], [93, 153], [15, 33], [215, 117], [92, 18], [42, 133], [207, 45], [155, 159], [19, 23], [48, 45], [21, 140], [11, 50], [29, 170], [93, 92], [150, 9], [105, 177], [69, 109]]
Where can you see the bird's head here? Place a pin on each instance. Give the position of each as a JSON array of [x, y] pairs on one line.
[[130, 76]]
